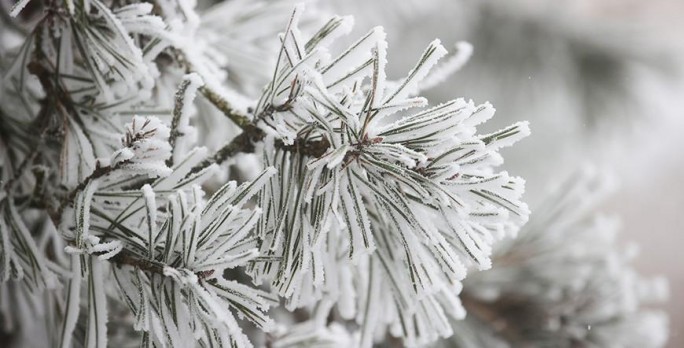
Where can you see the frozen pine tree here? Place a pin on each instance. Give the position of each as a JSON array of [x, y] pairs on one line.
[[181, 174]]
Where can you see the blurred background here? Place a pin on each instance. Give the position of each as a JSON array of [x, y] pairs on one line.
[[601, 83]]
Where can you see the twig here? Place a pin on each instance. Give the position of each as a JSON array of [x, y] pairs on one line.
[[125, 257], [214, 98], [312, 148], [224, 106], [128, 258], [177, 114], [242, 143]]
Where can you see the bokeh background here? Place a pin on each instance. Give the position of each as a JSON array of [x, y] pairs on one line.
[[601, 82]]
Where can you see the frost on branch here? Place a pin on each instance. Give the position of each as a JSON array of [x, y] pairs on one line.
[[95, 51], [397, 201], [116, 65], [370, 207], [176, 245], [145, 147], [564, 282]]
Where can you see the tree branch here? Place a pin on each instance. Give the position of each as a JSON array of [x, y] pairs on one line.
[[128, 258], [312, 148], [224, 106], [244, 143], [125, 257], [241, 143], [177, 114]]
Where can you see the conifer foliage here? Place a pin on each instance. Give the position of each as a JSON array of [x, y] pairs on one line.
[[123, 221]]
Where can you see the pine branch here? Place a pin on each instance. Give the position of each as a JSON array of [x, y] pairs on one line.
[[225, 107], [244, 143], [403, 206], [177, 114], [311, 148], [128, 258]]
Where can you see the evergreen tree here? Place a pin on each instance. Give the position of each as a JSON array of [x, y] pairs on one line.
[[243, 175]]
